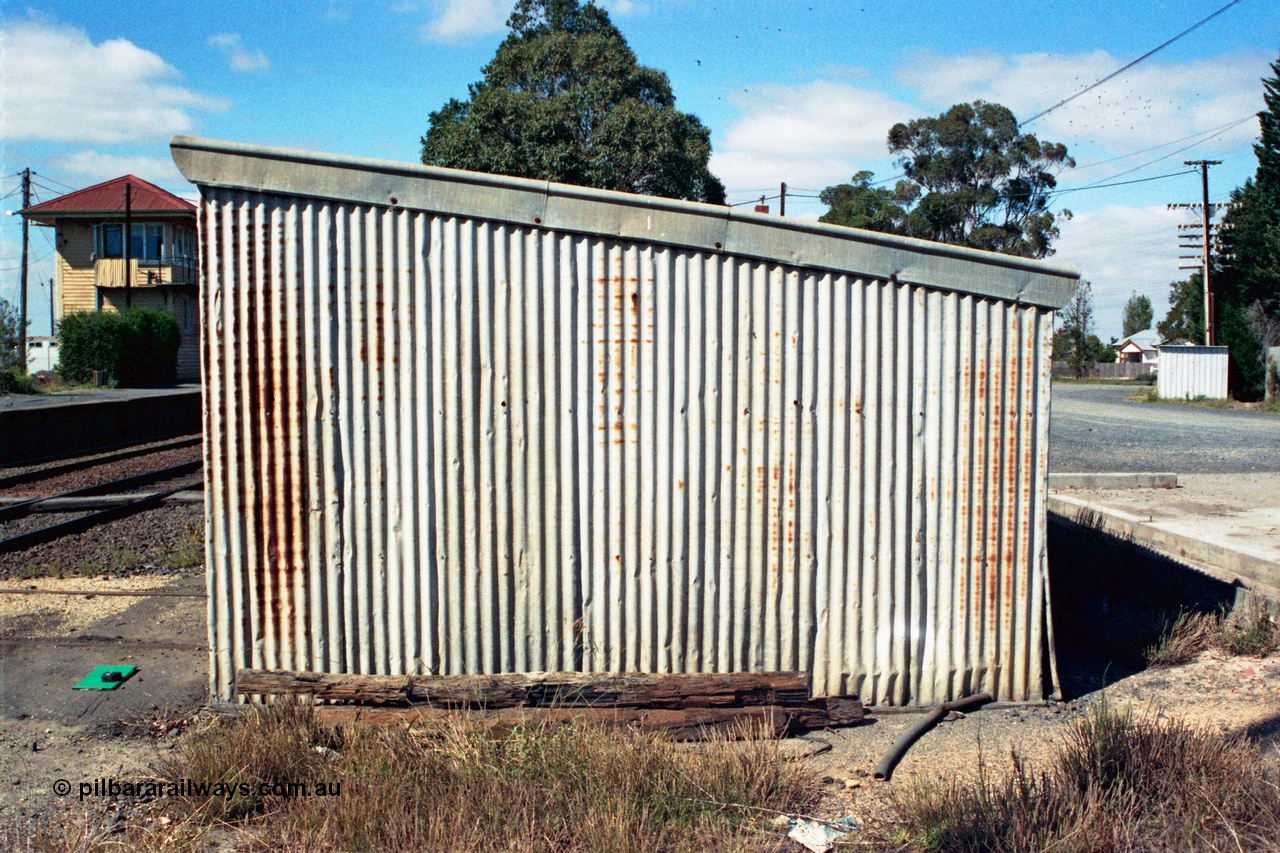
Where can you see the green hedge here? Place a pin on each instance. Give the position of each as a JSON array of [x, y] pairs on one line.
[[14, 380], [137, 347]]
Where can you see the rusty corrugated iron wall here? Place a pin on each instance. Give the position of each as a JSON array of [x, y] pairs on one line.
[[439, 440]]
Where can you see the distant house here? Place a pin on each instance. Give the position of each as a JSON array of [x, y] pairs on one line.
[[1139, 348], [90, 240], [42, 353]]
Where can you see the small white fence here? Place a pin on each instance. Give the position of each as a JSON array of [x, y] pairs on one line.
[[1107, 370]]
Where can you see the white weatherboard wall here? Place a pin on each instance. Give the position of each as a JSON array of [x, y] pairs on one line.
[[460, 423], [1190, 372]]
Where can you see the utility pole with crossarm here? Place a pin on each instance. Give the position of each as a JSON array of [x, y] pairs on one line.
[[1206, 213]]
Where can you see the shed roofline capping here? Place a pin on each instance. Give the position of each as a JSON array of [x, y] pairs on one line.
[[462, 423], [585, 210]]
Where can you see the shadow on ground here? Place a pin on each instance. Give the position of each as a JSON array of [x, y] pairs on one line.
[[163, 637], [1112, 600]]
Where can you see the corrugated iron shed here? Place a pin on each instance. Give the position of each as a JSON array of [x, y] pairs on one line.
[[466, 423], [1187, 372]]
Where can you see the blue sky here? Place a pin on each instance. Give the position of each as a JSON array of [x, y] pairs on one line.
[[802, 92]]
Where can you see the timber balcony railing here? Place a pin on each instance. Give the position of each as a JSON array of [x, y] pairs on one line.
[[110, 272]]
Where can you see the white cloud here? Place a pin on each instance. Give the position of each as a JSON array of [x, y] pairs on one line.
[[39, 271], [459, 20], [239, 57], [96, 166], [462, 20], [621, 7], [809, 135], [59, 86], [1149, 104], [1123, 250]]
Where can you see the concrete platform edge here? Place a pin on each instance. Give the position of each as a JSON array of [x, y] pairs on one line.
[[1225, 564], [1112, 480]]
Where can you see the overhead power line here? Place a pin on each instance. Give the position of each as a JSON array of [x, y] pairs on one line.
[[1125, 68], [46, 188], [757, 200], [1219, 132], [1119, 183], [59, 183], [1214, 130], [29, 263]]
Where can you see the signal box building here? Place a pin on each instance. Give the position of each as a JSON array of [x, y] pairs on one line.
[[91, 270]]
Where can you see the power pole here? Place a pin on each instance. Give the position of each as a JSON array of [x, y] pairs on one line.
[[1206, 234], [128, 246], [22, 289], [782, 200], [1206, 214], [51, 330]]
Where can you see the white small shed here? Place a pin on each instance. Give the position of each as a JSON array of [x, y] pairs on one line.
[[1188, 372]]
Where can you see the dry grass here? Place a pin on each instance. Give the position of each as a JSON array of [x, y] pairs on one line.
[[1118, 784], [457, 787], [87, 833], [1149, 395], [1249, 630], [1188, 636], [126, 560], [189, 552]]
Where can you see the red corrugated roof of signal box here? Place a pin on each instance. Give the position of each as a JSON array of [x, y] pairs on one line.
[[145, 197]]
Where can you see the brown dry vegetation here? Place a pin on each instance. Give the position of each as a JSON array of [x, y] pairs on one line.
[[1119, 784], [1149, 395], [1248, 630], [458, 787]]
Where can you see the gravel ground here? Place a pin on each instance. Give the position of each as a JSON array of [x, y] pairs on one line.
[[169, 538], [58, 614], [1215, 692], [1224, 694], [1094, 428], [99, 474]]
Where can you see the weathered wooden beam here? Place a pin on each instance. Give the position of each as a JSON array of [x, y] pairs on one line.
[[539, 690], [829, 711], [689, 724]]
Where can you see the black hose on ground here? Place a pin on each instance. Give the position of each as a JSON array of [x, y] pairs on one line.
[[884, 770]]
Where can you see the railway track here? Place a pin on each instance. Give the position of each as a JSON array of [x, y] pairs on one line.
[[170, 479], [86, 463], [94, 593]]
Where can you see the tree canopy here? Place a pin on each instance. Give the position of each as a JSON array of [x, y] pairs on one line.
[[9, 330], [858, 204], [1077, 324], [972, 179], [1185, 319], [1247, 288], [565, 99], [1138, 315], [1251, 227]]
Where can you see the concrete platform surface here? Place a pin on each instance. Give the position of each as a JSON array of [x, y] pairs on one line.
[[89, 395], [1235, 517]]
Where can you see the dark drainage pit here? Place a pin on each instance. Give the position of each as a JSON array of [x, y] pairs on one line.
[[1112, 600]]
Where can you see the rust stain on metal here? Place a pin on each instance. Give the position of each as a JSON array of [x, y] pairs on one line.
[[543, 512]]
